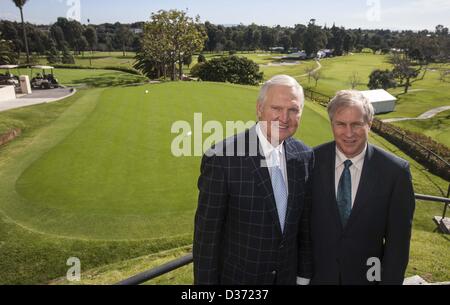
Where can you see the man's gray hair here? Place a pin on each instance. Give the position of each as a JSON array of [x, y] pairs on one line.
[[348, 98], [282, 80]]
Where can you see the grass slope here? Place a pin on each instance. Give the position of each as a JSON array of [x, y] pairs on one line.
[[437, 128], [93, 177]]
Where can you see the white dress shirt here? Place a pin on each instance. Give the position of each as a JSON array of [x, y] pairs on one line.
[[355, 170], [268, 149]]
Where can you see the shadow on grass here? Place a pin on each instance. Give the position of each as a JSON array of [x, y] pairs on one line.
[[93, 57], [108, 80], [444, 236]]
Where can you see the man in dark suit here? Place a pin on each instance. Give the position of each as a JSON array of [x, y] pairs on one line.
[[363, 202], [252, 224]]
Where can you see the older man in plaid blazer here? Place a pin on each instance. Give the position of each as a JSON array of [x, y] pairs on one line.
[[252, 221]]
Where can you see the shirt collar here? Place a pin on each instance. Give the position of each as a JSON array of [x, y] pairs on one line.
[[266, 146], [357, 161]]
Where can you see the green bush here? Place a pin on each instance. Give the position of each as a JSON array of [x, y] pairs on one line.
[[53, 56], [68, 59], [379, 79], [201, 58], [195, 70], [232, 69]]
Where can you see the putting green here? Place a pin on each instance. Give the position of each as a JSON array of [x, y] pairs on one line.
[[104, 169]]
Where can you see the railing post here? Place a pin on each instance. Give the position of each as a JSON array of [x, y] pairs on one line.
[[446, 205]]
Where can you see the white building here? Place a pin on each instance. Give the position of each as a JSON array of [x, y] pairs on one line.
[[381, 100], [137, 31]]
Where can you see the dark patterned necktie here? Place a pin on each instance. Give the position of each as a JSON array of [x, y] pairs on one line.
[[344, 194]]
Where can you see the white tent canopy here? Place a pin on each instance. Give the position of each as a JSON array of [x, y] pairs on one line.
[[8, 66], [42, 67], [381, 100]]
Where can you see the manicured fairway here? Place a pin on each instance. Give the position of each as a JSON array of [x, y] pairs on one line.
[[113, 175], [100, 59], [94, 178], [87, 77], [437, 128]]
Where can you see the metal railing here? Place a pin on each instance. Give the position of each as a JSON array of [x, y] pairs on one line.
[[187, 259], [419, 152], [158, 271], [318, 97]]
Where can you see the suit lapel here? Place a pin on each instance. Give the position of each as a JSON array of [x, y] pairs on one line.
[[262, 179], [365, 186], [290, 156], [328, 174]]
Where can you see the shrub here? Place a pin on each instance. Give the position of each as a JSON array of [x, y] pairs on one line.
[[232, 69], [195, 70], [68, 59], [379, 79], [201, 58], [53, 56]]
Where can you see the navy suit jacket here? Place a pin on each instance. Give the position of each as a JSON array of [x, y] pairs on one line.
[[379, 225], [237, 237]]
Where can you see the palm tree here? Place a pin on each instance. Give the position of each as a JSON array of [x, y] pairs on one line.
[[20, 4]]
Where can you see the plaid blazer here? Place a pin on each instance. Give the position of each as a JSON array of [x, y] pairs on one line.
[[237, 238]]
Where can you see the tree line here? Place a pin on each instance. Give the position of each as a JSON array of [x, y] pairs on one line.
[[170, 38], [79, 38], [312, 37], [70, 36]]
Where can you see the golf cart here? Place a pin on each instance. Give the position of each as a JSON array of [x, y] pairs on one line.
[[8, 79], [44, 81]]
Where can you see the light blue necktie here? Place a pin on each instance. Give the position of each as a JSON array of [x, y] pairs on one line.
[[279, 188], [344, 194]]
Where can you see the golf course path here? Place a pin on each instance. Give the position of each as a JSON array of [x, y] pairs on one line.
[[427, 115], [37, 97], [319, 66]]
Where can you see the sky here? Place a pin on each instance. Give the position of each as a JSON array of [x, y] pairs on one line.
[[367, 14]]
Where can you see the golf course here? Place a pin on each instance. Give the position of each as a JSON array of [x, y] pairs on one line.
[[93, 176]]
